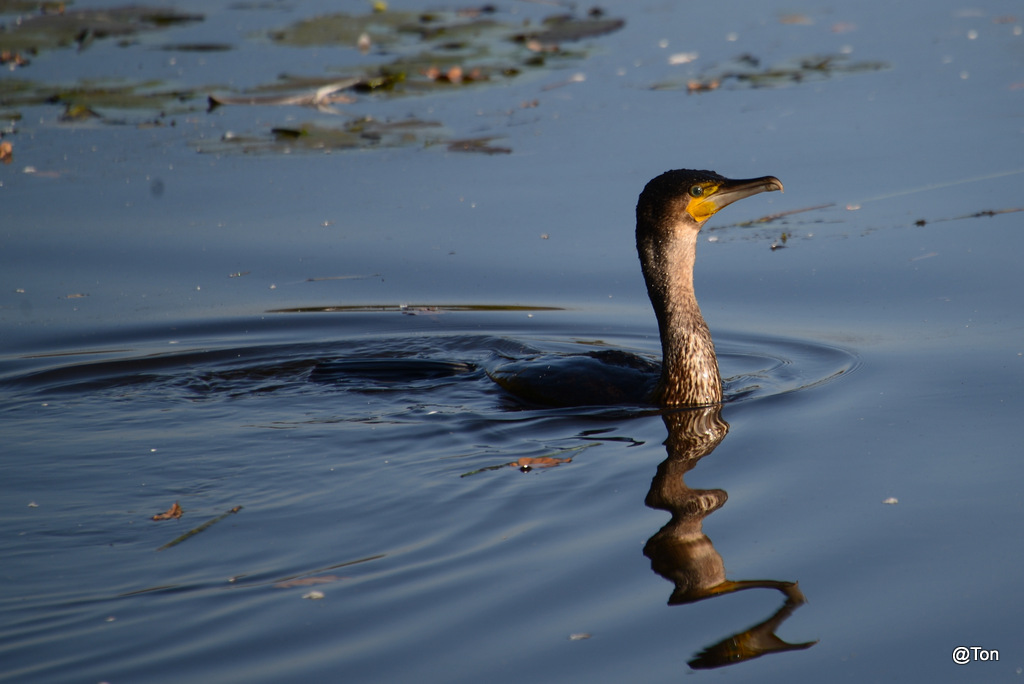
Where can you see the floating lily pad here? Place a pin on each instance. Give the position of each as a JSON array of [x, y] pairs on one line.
[[568, 29], [50, 31], [358, 133], [478, 145], [345, 30], [434, 50], [109, 101], [363, 132], [401, 53], [139, 95], [104, 101]]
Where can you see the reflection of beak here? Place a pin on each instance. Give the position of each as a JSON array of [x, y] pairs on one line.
[[730, 191]]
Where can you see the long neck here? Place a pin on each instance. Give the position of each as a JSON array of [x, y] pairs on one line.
[[689, 371]]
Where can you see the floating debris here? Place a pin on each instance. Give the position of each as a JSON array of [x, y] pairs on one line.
[[197, 47], [454, 74], [433, 49], [782, 214], [172, 513], [796, 19], [307, 581], [480, 145], [682, 58], [575, 78], [891, 501], [989, 212], [13, 58], [322, 98], [746, 71], [201, 528], [526, 464]]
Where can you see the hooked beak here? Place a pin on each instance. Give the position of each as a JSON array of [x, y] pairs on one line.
[[702, 208]]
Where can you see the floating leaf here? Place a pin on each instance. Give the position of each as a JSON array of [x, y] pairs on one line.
[[344, 29], [172, 513], [527, 464], [432, 49], [50, 31], [96, 99]]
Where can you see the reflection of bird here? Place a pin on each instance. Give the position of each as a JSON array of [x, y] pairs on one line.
[[669, 215]]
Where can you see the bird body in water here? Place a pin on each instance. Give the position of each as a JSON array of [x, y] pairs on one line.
[[669, 215]]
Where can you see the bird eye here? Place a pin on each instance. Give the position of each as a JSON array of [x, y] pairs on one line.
[[696, 191]]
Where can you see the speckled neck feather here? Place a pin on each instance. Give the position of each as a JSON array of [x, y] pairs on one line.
[[667, 244]]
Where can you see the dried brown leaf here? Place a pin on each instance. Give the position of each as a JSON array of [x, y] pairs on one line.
[[528, 463], [172, 513]]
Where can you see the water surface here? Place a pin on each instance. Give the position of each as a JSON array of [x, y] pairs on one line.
[[171, 277]]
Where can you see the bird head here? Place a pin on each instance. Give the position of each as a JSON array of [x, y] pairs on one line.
[[696, 195]]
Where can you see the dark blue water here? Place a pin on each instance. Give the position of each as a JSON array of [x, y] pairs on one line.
[[166, 297]]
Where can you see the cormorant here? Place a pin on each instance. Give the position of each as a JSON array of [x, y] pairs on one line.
[[669, 215]]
